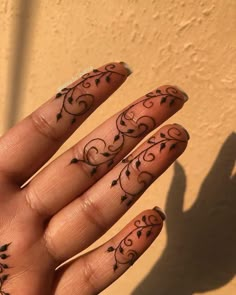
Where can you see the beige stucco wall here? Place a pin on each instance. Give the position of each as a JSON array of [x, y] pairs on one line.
[[183, 42]]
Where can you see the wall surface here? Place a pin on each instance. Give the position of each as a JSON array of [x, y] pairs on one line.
[[188, 43]]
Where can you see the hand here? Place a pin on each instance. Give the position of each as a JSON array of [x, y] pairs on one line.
[[204, 233], [76, 198]]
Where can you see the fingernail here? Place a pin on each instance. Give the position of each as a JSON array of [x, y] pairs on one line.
[[188, 136], [185, 96], [127, 67], [160, 212]]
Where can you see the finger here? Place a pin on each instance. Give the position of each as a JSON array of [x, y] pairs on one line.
[[96, 270], [85, 219], [96, 154], [28, 145]]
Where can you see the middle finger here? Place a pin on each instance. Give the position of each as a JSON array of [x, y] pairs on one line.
[[82, 165]]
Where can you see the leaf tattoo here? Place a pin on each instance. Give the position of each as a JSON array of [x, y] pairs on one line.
[[76, 104], [133, 170], [98, 152], [125, 253], [3, 267]]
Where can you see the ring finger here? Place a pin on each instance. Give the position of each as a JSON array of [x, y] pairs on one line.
[[106, 201]]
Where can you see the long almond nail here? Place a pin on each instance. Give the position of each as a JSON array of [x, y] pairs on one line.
[[127, 67], [185, 96], [160, 212]]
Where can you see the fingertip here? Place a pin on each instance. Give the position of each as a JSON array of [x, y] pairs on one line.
[[185, 130], [184, 94], [127, 68], [160, 212]]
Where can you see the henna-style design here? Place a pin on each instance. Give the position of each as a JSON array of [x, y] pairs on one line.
[[3, 267], [98, 152], [125, 252], [133, 172], [77, 105]]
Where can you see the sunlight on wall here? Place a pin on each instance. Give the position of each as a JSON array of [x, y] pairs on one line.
[[183, 42]]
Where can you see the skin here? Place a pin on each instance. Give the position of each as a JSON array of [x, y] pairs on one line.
[[76, 198]]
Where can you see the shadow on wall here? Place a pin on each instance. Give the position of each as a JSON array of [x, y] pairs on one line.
[[201, 248]]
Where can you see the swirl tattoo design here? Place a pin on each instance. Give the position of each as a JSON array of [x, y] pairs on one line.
[[132, 171], [76, 104], [125, 253], [3, 267], [98, 152]]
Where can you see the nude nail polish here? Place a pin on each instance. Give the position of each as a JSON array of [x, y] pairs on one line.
[[160, 212]]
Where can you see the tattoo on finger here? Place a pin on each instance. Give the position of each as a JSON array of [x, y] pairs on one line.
[[133, 171], [76, 104], [126, 253], [98, 152], [3, 267]]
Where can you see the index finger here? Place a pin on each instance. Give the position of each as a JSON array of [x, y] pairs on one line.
[[31, 143]]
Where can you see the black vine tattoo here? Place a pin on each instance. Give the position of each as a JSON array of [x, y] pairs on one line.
[[125, 253], [78, 104], [132, 172], [3, 267], [98, 152]]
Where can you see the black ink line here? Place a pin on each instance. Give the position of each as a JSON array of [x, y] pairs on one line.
[[98, 152], [125, 253], [75, 105], [134, 165], [3, 267]]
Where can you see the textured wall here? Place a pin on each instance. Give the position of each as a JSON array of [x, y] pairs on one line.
[[183, 42]]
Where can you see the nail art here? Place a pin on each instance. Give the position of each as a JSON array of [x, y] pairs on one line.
[[133, 165], [76, 104], [3, 267], [104, 153], [125, 252]]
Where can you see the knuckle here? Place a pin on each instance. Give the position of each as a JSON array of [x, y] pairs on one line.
[[34, 202], [48, 240], [132, 118], [94, 215], [78, 153], [89, 276], [42, 126]]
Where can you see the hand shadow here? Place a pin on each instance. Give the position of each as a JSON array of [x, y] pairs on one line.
[[201, 246]]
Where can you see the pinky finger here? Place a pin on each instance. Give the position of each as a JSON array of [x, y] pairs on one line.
[[96, 270]]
